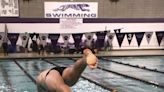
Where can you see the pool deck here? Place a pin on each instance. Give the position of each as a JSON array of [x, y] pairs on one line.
[[115, 53]]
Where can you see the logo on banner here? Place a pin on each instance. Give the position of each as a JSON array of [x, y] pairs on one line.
[[24, 37], [71, 9], [43, 37], [81, 7]]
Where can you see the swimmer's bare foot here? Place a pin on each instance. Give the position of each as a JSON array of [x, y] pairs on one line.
[[91, 59]]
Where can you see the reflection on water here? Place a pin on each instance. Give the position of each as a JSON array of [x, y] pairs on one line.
[[5, 88], [85, 86], [153, 62]]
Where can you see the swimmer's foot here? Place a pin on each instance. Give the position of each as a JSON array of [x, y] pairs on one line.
[[91, 59]]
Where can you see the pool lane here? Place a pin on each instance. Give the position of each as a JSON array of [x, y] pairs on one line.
[[122, 84], [34, 68], [13, 79], [134, 72], [153, 62]]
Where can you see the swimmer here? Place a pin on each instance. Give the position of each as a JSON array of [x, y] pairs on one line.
[[60, 79]]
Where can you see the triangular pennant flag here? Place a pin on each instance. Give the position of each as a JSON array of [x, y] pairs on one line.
[[5, 39], [89, 40], [148, 36], [34, 36], [117, 30], [66, 38], [160, 36], [100, 39], [54, 38], [129, 37], [19, 42], [28, 45], [139, 37], [43, 38], [120, 37], [1, 38], [77, 39], [89, 36], [25, 38], [110, 37], [13, 37]]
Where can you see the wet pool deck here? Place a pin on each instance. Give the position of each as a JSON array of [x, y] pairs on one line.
[[115, 53]]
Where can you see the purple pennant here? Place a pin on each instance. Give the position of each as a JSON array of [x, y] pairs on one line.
[[54, 38], [120, 37], [100, 39], [13, 37], [129, 37], [160, 36], [77, 39], [139, 37]]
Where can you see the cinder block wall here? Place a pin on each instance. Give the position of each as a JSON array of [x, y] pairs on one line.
[[107, 9]]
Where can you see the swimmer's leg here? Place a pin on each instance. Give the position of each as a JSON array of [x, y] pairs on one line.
[[73, 73]]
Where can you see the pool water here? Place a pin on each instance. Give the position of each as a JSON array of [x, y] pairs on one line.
[[13, 79]]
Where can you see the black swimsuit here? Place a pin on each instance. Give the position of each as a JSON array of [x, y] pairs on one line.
[[59, 69]]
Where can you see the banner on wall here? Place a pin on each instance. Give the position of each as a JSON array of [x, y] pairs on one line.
[[129, 37], [120, 38], [160, 36], [70, 23], [77, 39], [71, 9], [139, 37], [148, 36], [9, 8]]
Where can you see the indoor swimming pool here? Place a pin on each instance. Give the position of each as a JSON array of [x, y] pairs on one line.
[[18, 75]]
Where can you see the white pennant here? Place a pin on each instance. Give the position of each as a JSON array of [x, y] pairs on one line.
[[148, 36], [66, 41], [88, 42], [43, 38], [24, 37], [110, 37]]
